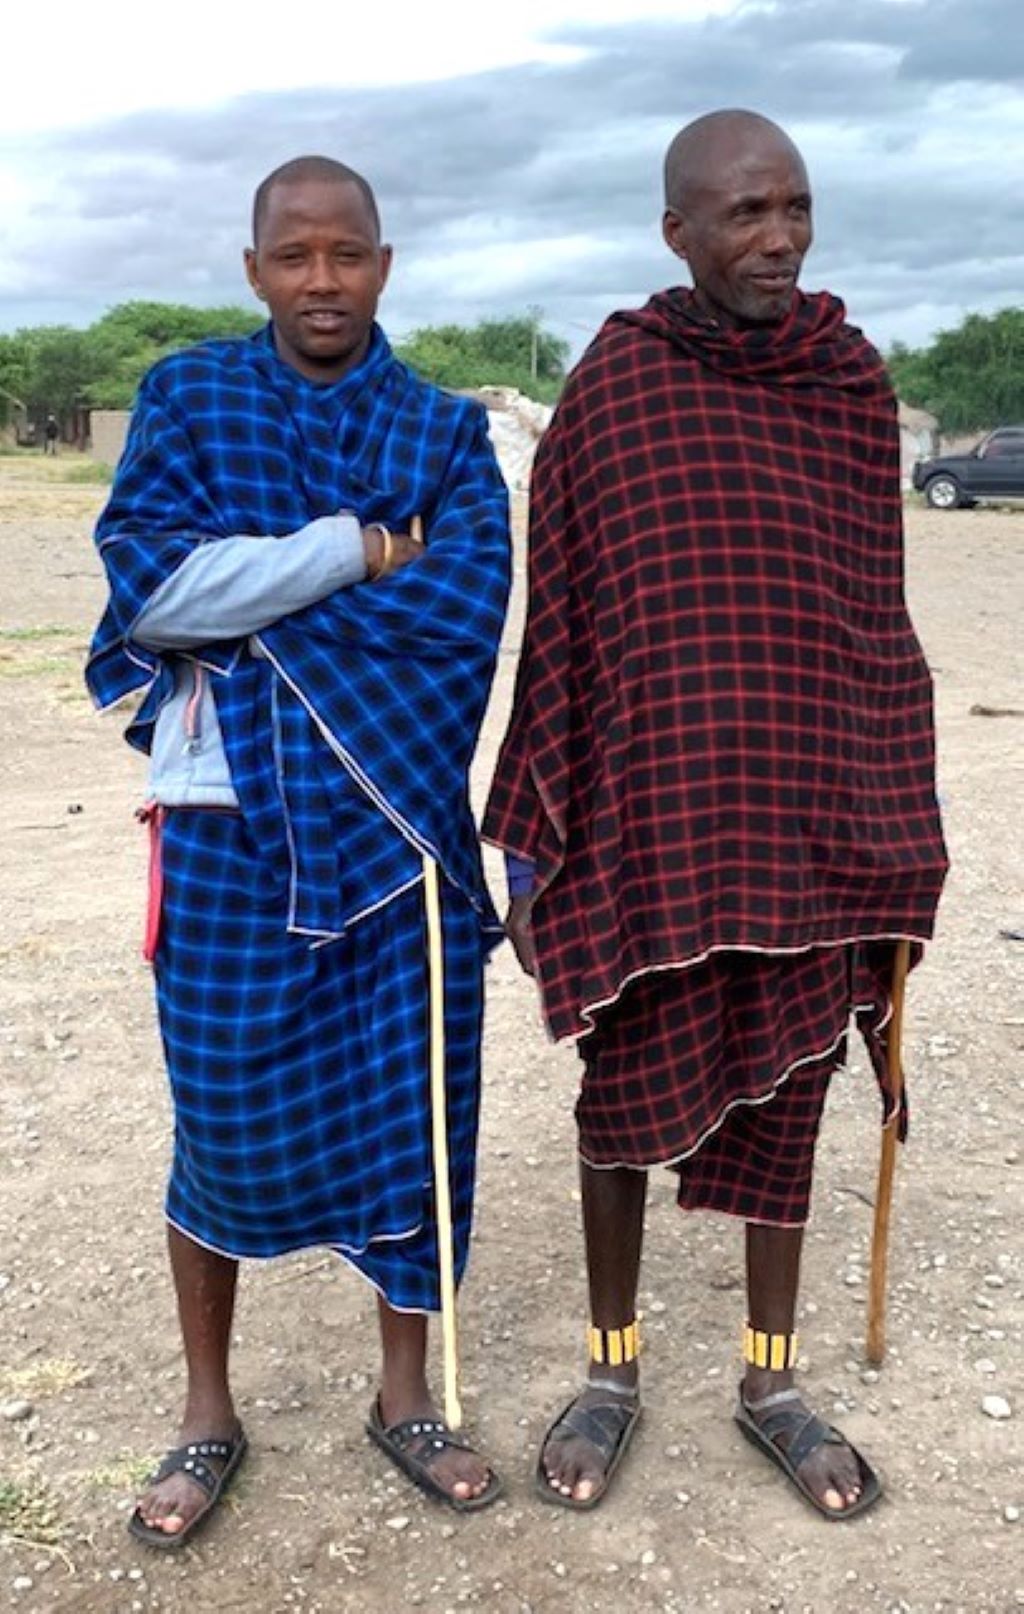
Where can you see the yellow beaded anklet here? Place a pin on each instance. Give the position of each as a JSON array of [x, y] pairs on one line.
[[613, 1347], [773, 1351]]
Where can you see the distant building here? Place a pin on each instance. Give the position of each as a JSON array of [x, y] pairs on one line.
[[108, 429]]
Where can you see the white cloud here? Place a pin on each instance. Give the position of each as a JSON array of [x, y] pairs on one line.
[[532, 182]]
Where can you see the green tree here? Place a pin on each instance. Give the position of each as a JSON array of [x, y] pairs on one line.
[[969, 378], [129, 338], [55, 368], [495, 352]]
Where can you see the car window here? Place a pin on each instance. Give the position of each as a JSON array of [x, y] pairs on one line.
[[1008, 445]]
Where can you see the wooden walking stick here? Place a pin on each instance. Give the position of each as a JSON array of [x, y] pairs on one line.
[[439, 1123], [439, 1127], [887, 1163]]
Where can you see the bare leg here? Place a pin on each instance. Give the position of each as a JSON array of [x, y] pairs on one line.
[[404, 1394], [773, 1276], [613, 1226], [205, 1284]]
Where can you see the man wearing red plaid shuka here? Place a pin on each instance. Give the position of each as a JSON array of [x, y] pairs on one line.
[[716, 792]]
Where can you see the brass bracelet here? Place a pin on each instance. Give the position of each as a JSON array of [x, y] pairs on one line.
[[389, 551]]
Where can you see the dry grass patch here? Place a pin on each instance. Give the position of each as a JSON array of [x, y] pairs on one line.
[[53, 1376], [127, 1472], [29, 1514]]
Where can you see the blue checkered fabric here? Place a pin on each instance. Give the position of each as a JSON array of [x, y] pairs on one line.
[[291, 969], [385, 683], [300, 1075]]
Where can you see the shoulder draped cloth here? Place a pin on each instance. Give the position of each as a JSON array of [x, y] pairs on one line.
[[360, 713], [722, 734]]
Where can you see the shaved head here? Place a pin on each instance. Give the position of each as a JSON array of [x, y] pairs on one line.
[[705, 146], [738, 211], [325, 170]]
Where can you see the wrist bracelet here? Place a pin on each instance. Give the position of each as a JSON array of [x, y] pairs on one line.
[[389, 550]]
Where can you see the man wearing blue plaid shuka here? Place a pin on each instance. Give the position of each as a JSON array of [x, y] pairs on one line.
[[315, 678]]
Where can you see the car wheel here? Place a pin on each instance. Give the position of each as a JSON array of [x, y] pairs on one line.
[[943, 493]]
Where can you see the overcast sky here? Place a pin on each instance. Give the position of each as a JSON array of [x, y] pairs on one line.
[[515, 147]]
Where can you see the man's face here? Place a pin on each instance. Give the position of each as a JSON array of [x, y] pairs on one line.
[[744, 229], [320, 268]]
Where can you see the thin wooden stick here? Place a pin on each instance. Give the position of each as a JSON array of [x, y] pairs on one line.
[[887, 1163], [439, 1127]]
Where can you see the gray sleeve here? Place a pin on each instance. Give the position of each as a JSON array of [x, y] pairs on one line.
[[236, 586]]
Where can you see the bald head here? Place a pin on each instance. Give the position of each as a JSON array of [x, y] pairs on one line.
[[323, 170], [712, 144], [738, 210]]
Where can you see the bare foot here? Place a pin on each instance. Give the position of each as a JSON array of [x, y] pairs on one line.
[[831, 1472], [171, 1504], [575, 1465], [463, 1474]]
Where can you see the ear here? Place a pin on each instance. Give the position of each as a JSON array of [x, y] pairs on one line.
[[252, 273], [673, 228]]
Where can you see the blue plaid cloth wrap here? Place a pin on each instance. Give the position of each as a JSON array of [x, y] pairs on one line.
[[349, 728]]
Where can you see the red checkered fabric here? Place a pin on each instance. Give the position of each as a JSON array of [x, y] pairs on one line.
[[722, 733], [723, 1069]]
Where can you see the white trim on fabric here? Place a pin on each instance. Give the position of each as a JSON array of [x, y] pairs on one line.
[[362, 779], [364, 913], [590, 1010], [343, 1254], [720, 1119], [317, 1244], [762, 1098]]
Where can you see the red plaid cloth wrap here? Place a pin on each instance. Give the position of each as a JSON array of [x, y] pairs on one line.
[[722, 735]]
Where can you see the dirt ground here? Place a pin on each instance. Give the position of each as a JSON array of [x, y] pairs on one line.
[[318, 1522]]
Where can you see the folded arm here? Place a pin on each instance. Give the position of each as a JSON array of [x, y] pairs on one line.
[[230, 589]]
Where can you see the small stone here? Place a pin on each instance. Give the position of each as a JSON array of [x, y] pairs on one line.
[[683, 1498], [560, 1570], [869, 1376], [940, 1047], [853, 1279], [996, 1406], [648, 1558], [16, 1411], [851, 1576], [657, 1307], [673, 1451], [984, 1365], [398, 1521], [1011, 1514], [22, 1583], [994, 1280]]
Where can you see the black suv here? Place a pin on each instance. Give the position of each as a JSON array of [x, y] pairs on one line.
[[994, 469]]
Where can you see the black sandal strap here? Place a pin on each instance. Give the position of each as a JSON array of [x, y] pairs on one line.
[[793, 1419], [429, 1433], [600, 1424], [808, 1439], [181, 1461]]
